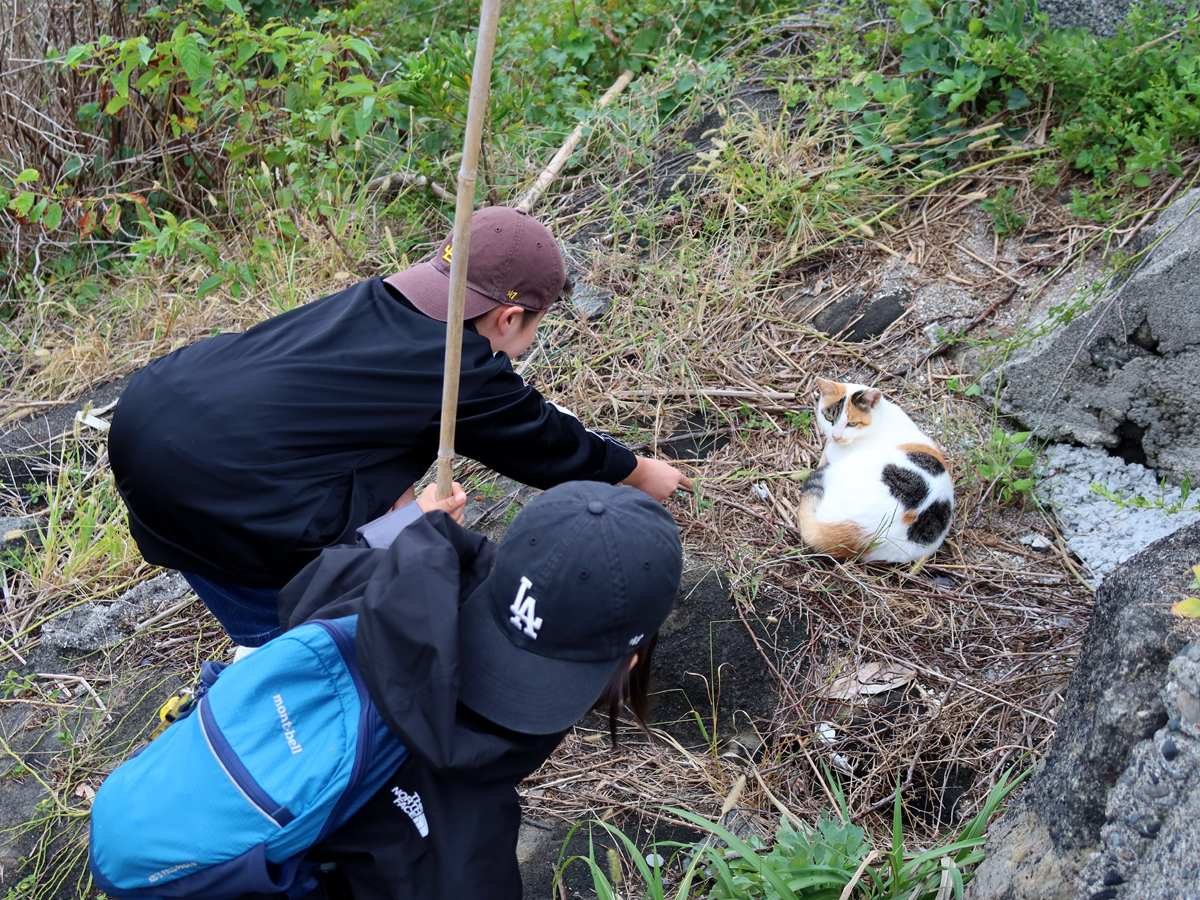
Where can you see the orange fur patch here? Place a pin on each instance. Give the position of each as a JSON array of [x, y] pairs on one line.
[[909, 517], [923, 448], [841, 540], [854, 414]]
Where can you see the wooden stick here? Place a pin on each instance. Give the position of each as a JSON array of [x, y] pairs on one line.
[[714, 392], [529, 201], [481, 82]]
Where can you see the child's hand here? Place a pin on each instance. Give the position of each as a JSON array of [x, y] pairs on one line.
[[657, 478], [454, 506]]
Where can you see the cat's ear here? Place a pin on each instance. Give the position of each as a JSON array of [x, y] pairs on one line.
[[827, 388], [871, 397]]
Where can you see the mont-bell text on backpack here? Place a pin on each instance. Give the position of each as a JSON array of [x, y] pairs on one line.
[[289, 730]]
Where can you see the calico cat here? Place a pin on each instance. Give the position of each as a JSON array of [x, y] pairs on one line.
[[882, 491]]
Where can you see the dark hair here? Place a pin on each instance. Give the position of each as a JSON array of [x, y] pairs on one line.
[[629, 687]]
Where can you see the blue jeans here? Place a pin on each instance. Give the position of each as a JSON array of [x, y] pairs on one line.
[[250, 616]]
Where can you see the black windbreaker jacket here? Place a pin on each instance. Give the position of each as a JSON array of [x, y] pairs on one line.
[[445, 826], [241, 456]]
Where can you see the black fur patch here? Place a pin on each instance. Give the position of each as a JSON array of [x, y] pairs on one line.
[[831, 413], [859, 399], [926, 461], [930, 524], [815, 482], [905, 485]]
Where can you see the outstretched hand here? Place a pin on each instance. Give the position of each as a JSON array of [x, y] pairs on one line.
[[455, 506], [657, 478]]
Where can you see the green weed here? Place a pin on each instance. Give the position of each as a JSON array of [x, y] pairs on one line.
[[1137, 501], [1006, 463], [1005, 219], [805, 861]]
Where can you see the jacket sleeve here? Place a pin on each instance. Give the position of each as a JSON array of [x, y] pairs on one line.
[[509, 427]]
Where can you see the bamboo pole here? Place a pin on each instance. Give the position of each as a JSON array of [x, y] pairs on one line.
[[560, 158], [481, 82]]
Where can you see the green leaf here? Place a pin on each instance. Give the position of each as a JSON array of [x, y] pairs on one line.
[[917, 15], [120, 83], [27, 175], [189, 56], [235, 7], [77, 54], [52, 217], [115, 105], [973, 391], [1173, 168], [361, 47], [1188, 609], [208, 284], [22, 204], [357, 87], [145, 51], [1141, 179], [112, 218], [1017, 99], [246, 49]]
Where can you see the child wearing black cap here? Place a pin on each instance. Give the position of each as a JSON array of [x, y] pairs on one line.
[[479, 658], [241, 456]]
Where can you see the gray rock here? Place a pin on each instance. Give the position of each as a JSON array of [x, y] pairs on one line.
[[1113, 701], [94, 626], [1100, 17], [856, 318], [1158, 800], [1127, 367], [592, 301], [1102, 533]]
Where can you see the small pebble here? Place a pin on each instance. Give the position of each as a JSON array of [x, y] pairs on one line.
[[1156, 791], [1148, 829], [1173, 724], [1126, 780], [1189, 707], [1169, 750], [1192, 651], [1104, 894], [1113, 877]]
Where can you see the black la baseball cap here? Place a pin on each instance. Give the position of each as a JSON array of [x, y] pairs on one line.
[[586, 574]]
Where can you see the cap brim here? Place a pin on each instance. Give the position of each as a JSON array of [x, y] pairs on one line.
[[429, 291], [515, 688]]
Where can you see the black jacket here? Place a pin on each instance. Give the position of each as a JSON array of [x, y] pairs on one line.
[[241, 456], [459, 781]]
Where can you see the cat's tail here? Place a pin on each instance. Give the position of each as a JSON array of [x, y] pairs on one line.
[[846, 539]]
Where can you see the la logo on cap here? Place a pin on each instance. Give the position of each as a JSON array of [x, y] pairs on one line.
[[524, 610], [448, 253]]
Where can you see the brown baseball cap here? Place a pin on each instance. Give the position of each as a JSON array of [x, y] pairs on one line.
[[513, 260]]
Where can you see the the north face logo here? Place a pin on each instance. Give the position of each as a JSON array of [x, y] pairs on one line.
[[413, 808]]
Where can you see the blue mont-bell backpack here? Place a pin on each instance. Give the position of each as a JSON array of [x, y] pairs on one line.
[[281, 749]]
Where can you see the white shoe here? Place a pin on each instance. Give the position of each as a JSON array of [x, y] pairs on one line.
[[240, 652]]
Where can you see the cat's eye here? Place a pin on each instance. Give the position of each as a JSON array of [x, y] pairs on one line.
[[852, 424]]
